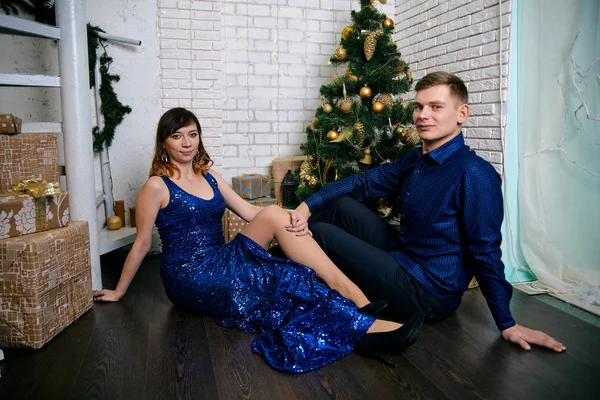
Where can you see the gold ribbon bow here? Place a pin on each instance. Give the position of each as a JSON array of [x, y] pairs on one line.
[[37, 189]]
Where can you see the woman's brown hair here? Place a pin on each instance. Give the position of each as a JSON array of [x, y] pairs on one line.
[[168, 124]]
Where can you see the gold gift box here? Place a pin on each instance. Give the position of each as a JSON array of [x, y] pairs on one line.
[[45, 284], [24, 157], [21, 214]]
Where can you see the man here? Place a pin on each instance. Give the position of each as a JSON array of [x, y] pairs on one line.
[[451, 210]]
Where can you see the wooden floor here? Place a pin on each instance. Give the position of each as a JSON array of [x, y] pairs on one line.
[[144, 348]]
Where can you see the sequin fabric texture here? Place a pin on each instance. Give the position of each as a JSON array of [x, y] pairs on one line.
[[301, 323]]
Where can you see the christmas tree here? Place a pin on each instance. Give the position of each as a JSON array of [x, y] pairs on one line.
[[362, 122]]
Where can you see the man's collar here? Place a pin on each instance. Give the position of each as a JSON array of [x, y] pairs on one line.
[[441, 153]]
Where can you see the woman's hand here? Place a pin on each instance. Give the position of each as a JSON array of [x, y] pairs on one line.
[[106, 295], [299, 224]]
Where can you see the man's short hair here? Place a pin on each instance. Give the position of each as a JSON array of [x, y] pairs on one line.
[[455, 84]]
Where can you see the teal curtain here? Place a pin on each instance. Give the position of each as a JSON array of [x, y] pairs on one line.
[[558, 124]]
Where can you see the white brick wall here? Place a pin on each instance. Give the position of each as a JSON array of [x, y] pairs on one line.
[[190, 53], [462, 37], [251, 71], [276, 55]]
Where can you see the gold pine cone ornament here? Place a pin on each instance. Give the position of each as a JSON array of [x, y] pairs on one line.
[[346, 105], [411, 137], [370, 45], [386, 99]]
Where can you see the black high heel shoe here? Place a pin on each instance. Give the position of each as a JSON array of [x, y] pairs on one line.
[[372, 343], [374, 308]]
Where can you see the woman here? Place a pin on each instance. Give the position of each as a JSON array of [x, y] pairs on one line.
[[302, 324]]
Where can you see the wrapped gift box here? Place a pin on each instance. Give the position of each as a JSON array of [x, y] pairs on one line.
[[21, 214], [45, 284], [263, 201], [280, 168], [251, 186], [25, 157], [10, 124], [232, 225]]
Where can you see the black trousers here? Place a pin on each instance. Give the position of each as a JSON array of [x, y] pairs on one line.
[[357, 240]]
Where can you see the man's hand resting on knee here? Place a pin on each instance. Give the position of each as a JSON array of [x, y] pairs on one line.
[[303, 210], [525, 337]]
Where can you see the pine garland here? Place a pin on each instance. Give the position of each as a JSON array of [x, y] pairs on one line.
[[111, 108]]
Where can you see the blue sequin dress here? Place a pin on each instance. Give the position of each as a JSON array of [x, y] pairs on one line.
[[301, 323]]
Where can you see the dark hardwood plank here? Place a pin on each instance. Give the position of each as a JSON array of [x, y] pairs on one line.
[[137, 307], [114, 365], [240, 373], [49, 372], [143, 347], [179, 365], [404, 381], [466, 357]]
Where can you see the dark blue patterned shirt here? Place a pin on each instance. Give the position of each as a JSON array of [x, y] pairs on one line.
[[451, 209]]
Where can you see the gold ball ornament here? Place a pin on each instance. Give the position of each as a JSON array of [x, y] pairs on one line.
[[400, 131], [327, 108], [378, 107], [352, 78], [346, 106], [347, 72], [114, 223], [346, 134], [313, 124], [365, 92], [332, 135], [341, 53], [347, 31], [388, 23]]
